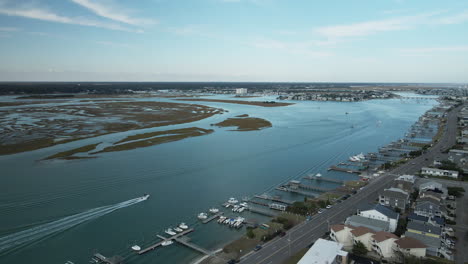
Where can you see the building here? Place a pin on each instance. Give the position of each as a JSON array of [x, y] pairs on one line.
[[439, 173], [325, 251], [427, 234], [363, 235], [460, 157], [373, 224], [380, 212], [435, 220], [428, 207], [406, 186], [434, 186], [342, 234], [241, 91], [408, 178], [408, 246], [383, 243], [395, 198]]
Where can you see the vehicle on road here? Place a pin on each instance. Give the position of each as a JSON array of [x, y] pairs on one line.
[[320, 211], [258, 247], [329, 206]]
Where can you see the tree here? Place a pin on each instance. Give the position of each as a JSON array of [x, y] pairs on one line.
[[250, 233], [359, 249], [401, 226]]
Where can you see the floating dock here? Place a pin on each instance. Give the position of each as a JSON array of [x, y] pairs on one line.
[[211, 218], [344, 169], [323, 179], [143, 251], [274, 199]]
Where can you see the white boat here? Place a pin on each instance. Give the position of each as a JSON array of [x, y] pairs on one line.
[[202, 216], [170, 232], [232, 200], [166, 243], [144, 197], [136, 248], [221, 219], [214, 210], [183, 226], [244, 204], [241, 209], [318, 175], [177, 229], [228, 205], [236, 207]]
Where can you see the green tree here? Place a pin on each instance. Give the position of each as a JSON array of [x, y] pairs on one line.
[[250, 233], [359, 249]]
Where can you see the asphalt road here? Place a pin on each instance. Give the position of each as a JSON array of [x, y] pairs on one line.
[[299, 237]]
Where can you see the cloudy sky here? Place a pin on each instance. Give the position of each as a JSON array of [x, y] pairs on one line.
[[234, 40]]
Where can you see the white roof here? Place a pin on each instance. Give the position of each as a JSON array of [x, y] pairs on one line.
[[323, 251]]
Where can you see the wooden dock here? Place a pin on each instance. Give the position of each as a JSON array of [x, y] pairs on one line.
[[112, 260], [274, 199], [284, 189], [211, 218], [313, 188], [344, 169], [266, 212], [186, 242], [143, 251], [323, 179]]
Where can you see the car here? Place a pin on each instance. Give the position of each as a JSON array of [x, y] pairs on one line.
[[257, 247], [320, 211], [329, 206]]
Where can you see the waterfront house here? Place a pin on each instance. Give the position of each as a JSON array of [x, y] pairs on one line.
[[439, 172], [382, 243], [408, 246], [380, 212], [395, 198], [325, 251], [342, 234], [373, 224]]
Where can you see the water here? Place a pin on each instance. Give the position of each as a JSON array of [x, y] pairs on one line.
[[184, 178]]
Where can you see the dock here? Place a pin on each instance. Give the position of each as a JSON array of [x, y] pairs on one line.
[[112, 260], [266, 212], [323, 179], [143, 251], [186, 242], [284, 189], [344, 169], [211, 218], [274, 199], [313, 188]]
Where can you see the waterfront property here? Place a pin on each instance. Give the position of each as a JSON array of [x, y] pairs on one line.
[[325, 251], [439, 172], [381, 213]]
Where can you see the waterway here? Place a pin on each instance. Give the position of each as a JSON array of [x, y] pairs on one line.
[[82, 207]]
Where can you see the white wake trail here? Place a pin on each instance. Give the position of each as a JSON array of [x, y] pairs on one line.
[[41, 231]]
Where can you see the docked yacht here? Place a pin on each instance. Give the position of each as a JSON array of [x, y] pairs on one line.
[[178, 229], [318, 175], [221, 219], [357, 158], [232, 200], [183, 226], [167, 243], [214, 210], [202, 216], [170, 232], [136, 248]]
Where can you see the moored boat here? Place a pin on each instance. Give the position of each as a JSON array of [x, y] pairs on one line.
[[183, 226], [166, 243], [136, 248]]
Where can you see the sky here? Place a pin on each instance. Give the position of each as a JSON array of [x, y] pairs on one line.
[[424, 41]]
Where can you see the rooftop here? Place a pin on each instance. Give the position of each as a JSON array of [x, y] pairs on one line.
[[409, 242], [380, 208], [382, 236], [376, 225], [323, 251], [423, 227]]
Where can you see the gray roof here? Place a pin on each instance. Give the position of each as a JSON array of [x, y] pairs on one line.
[[376, 225], [431, 242], [394, 194], [423, 227], [380, 208]]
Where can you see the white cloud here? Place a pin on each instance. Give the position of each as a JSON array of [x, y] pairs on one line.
[[45, 15], [453, 19], [299, 48], [112, 13], [9, 29], [431, 50]]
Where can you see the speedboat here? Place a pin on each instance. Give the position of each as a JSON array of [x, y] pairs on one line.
[[241, 209], [177, 229], [244, 204], [221, 219], [144, 197], [170, 232], [183, 226], [214, 210], [236, 207], [166, 243], [233, 200], [202, 216], [318, 175], [136, 248]]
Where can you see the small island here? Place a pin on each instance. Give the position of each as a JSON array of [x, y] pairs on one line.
[[245, 123]]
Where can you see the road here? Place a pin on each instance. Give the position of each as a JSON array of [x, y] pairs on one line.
[[299, 237]]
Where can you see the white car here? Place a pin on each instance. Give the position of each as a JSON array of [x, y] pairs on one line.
[[320, 211], [329, 206]]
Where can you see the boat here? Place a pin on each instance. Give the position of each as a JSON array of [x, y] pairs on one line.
[[136, 248], [178, 229], [232, 200], [183, 226], [144, 197], [202, 216], [241, 209], [221, 219], [214, 210], [357, 158], [167, 243], [318, 175], [236, 207], [170, 232], [228, 205], [244, 204]]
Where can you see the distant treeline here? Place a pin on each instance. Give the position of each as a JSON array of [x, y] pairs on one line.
[[128, 87]]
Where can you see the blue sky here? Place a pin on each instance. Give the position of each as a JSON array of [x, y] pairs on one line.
[[234, 40]]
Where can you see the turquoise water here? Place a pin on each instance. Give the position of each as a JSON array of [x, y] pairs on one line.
[[184, 178]]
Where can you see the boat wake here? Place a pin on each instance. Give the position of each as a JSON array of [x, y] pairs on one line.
[[18, 239]]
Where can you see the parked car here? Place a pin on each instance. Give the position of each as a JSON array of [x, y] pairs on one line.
[[329, 206], [258, 247]]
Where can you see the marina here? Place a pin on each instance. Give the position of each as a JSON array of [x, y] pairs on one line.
[[143, 251], [211, 218], [310, 177]]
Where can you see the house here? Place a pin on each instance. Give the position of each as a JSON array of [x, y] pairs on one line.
[[363, 235], [407, 178], [395, 198], [439, 172], [373, 224], [409, 246], [325, 251], [432, 185], [460, 157], [432, 244], [428, 207], [436, 194], [380, 212], [423, 229], [428, 234], [435, 220], [382, 243], [342, 234]]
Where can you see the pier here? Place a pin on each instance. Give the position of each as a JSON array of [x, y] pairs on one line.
[[186, 242], [274, 199], [211, 218], [284, 189], [143, 251], [313, 188], [323, 179], [266, 212], [113, 260], [344, 169]]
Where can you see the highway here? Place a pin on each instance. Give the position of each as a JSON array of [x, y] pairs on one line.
[[302, 235]]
